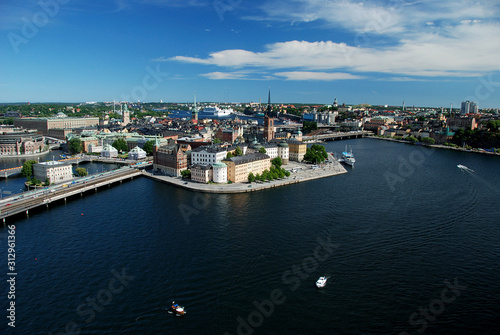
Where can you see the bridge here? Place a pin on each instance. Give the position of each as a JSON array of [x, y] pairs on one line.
[[332, 136], [6, 173], [23, 203]]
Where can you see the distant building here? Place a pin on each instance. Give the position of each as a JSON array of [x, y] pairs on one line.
[[468, 107], [238, 168], [109, 151], [219, 173], [15, 141], [465, 122], [54, 171], [268, 128], [136, 154], [201, 173], [56, 126], [297, 150], [172, 158], [208, 155]]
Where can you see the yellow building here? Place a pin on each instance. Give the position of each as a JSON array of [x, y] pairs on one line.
[[297, 150], [238, 168]]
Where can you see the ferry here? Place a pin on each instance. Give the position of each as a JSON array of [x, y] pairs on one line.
[[216, 111], [348, 157]]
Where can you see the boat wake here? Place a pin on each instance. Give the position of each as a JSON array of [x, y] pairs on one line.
[[464, 168]]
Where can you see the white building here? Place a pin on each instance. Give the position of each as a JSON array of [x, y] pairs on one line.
[[109, 151], [56, 172], [137, 153], [208, 155], [219, 173], [95, 148]]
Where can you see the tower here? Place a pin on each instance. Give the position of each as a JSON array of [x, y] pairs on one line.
[[335, 104], [194, 113], [268, 121], [126, 116]]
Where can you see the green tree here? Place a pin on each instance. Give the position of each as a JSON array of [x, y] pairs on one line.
[[309, 126], [216, 141], [411, 139], [315, 154], [186, 174], [277, 162], [428, 140], [229, 155], [27, 170], [82, 172], [148, 147], [120, 144], [75, 145], [251, 177], [238, 151], [262, 150]]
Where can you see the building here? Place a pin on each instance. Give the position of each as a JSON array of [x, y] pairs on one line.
[[268, 128], [284, 152], [238, 168], [18, 142], [53, 171], [208, 155], [297, 150], [219, 173], [109, 151], [172, 158], [56, 126], [201, 173], [136, 154], [465, 122], [468, 107]]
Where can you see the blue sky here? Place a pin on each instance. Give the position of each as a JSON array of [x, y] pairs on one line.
[[427, 53]]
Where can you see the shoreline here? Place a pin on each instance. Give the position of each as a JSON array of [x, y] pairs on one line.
[[307, 173], [436, 146]]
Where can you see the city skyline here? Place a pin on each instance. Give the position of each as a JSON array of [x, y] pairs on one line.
[[376, 52]]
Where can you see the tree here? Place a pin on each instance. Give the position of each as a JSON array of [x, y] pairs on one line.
[[309, 126], [251, 177], [238, 151], [120, 145], [216, 141], [428, 140], [75, 145], [277, 162], [229, 155], [262, 150], [82, 172], [148, 147], [315, 154], [186, 174], [27, 170]]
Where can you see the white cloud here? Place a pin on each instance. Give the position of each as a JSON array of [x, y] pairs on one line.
[[225, 75], [309, 75]]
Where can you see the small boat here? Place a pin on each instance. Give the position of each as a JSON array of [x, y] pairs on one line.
[[464, 168], [178, 310], [321, 282]]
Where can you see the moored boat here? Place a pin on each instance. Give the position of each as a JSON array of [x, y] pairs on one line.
[[348, 157]]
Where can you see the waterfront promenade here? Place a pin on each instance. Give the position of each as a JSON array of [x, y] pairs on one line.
[[304, 172]]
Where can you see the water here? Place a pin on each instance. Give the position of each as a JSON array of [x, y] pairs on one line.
[[387, 236]]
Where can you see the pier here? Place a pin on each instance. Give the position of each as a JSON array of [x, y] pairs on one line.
[[23, 203]]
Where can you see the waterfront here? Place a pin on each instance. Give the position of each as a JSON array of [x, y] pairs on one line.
[[391, 231]]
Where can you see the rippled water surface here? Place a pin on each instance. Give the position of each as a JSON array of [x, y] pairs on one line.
[[389, 233]]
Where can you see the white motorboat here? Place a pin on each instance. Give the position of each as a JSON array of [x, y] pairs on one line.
[[321, 282], [177, 309], [216, 111]]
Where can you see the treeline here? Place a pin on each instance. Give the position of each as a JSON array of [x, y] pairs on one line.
[[478, 138]]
